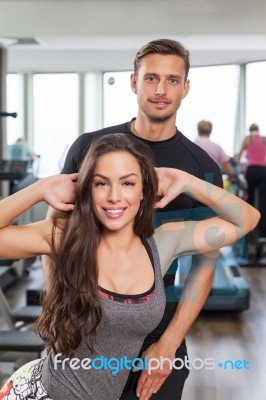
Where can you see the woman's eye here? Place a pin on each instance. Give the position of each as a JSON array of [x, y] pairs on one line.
[[129, 183], [100, 183]]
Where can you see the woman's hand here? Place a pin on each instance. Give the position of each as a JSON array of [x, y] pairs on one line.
[[59, 191], [171, 183]]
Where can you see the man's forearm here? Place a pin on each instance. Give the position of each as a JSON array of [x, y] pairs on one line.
[[195, 293]]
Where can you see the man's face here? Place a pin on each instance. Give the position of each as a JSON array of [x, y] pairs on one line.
[[160, 86]]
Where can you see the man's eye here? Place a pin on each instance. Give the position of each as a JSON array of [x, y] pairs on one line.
[[151, 79], [173, 81]]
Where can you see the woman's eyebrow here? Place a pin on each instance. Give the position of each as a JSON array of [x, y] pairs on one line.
[[128, 175], [122, 177]]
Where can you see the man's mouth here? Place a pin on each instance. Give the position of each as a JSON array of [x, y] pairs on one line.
[[160, 101]]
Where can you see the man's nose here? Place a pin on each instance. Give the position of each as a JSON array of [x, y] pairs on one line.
[[160, 90]]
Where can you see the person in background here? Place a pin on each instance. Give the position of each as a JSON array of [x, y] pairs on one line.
[[213, 149], [254, 147], [20, 151], [160, 83]]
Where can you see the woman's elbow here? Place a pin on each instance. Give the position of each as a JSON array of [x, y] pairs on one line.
[[253, 219]]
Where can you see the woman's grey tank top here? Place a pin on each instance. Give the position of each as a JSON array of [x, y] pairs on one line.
[[120, 336]]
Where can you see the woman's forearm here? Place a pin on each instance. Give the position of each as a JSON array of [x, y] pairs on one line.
[[58, 191]]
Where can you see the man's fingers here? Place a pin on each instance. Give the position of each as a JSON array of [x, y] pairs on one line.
[[158, 385], [141, 382], [149, 387], [143, 393]]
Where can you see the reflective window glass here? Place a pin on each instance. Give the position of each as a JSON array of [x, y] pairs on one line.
[[55, 100]]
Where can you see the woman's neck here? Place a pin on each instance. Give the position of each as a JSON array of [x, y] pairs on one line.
[[118, 241]]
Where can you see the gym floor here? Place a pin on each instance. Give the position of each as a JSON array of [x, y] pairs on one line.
[[218, 336], [231, 336]]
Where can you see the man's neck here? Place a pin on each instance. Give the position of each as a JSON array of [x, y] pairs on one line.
[[153, 131]]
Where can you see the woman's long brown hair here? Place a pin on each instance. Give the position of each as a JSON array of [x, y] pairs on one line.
[[72, 307]]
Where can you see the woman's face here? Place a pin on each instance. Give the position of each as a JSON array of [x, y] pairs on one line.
[[116, 190]]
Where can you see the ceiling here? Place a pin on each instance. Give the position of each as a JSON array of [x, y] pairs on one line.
[[104, 35]]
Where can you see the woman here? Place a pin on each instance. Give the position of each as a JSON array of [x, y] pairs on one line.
[[254, 146], [105, 289]]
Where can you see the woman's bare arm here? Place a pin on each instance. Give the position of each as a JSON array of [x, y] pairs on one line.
[[235, 217], [33, 239]]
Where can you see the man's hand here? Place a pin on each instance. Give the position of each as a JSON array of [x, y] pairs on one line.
[[59, 191], [151, 381]]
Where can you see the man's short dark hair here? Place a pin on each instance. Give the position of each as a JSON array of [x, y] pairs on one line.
[[163, 46]]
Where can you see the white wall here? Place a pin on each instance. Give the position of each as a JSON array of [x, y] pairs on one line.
[[104, 35], [132, 17]]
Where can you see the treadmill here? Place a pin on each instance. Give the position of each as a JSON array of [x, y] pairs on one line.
[[12, 171], [230, 291]]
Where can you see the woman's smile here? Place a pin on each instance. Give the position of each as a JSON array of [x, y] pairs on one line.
[[116, 190]]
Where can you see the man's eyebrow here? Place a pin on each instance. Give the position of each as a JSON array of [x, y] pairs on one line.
[[168, 76], [175, 76], [122, 177]]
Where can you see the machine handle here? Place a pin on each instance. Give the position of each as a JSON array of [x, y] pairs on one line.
[[7, 114]]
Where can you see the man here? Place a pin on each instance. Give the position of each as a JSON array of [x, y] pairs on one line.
[[214, 150], [160, 84]]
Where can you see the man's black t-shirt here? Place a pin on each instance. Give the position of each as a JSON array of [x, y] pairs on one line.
[[176, 152]]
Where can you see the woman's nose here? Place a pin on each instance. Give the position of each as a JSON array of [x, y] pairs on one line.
[[114, 194]]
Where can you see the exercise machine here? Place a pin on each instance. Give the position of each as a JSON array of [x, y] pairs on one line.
[[8, 114], [17, 319], [230, 291], [19, 346], [10, 270], [16, 345]]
